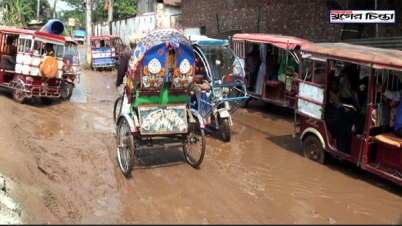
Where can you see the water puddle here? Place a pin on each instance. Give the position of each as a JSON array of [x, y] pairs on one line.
[[51, 129]]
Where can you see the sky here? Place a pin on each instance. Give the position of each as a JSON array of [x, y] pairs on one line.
[[60, 5]]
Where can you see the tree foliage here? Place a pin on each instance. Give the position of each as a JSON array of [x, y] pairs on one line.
[[18, 13]]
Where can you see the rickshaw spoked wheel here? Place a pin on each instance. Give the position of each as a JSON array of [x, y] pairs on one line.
[[118, 104], [19, 94], [66, 90], [194, 149], [225, 129], [125, 147], [312, 149]]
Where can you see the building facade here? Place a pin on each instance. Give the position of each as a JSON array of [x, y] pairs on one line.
[[306, 19]]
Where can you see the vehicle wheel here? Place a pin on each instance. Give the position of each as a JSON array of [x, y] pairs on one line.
[[66, 90], [118, 104], [225, 129], [46, 100], [19, 94], [312, 149], [125, 147], [194, 150]]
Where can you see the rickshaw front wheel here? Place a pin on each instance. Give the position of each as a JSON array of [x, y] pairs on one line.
[[312, 149], [125, 147], [194, 149], [118, 104], [66, 90], [225, 129], [18, 94]]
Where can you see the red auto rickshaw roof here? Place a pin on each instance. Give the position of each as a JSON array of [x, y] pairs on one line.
[[281, 41], [378, 57], [33, 32]]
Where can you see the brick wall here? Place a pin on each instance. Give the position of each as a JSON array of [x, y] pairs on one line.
[[306, 19]]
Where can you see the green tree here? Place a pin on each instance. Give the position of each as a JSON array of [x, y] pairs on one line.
[[18, 12], [124, 8]]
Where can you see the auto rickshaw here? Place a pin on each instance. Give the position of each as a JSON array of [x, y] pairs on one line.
[[105, 52], [220, 87], [153, 112], [358, 129], [268, 50], [25, 69], [71, 69]]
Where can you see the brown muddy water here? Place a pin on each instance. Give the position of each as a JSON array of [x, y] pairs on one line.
[[61, 160]]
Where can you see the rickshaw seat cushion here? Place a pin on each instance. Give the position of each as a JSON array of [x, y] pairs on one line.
[[389, 139], [274, 83]]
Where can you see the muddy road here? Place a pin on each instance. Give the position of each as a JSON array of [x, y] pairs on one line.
[[61, 162]]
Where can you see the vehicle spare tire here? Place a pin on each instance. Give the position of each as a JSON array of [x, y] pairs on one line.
[[49, 67]]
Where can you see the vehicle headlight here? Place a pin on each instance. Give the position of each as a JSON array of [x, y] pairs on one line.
[[218, 92]]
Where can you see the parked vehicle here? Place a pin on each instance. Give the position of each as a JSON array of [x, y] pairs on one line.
[[360, 131], [79, 36], [106, 51], [157, 116], [220, 87], [23, 61], [262, 55], [71, 69]]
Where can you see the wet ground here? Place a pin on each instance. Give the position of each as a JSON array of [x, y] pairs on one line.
[[61, 162]]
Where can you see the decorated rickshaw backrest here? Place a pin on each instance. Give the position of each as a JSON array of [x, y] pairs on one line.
[[163, 55]]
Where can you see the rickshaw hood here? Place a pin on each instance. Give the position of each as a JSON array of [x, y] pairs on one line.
[[280, 41], [377, 57]]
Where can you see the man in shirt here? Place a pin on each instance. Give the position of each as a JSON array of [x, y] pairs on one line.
[[394, 96], [49, 49], [134, 39]]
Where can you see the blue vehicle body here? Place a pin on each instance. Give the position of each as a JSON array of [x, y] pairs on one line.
[[79, 36], [220, 76]]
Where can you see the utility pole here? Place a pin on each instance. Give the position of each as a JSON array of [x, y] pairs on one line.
[[37, 11], [54, 9], [110, 11], [88, 28]]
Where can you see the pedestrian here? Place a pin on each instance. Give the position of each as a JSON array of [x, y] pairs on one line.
[[124, 60]]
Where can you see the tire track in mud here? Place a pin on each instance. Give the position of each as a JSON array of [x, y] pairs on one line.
[[71, 166]]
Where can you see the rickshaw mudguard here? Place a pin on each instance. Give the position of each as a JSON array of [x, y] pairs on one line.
[[223, 113], [130, 122], [316, 133], [197, 114]]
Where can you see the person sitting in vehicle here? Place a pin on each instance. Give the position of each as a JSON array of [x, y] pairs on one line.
[[102, 43], [253, 62], [348, 95], [49, 49], [341, 122], [394, 96], [9, 54], [289, 67]]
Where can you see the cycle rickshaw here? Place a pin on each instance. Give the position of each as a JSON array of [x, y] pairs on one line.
[[153, 112]]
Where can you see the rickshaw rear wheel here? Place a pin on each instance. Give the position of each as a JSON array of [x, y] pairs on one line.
[[195, 136], [66, 90], [313, 150], [125, 147], [225, 129], [118, 104], [18, 94]]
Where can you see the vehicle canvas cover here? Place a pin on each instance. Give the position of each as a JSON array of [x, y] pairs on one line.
[[151, 54]]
